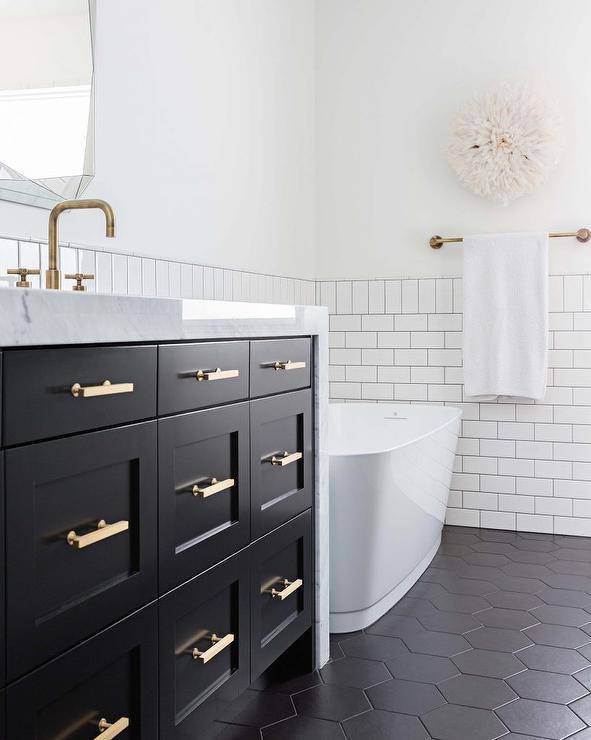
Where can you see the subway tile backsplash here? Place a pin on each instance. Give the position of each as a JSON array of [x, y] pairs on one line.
[[124, 274], [520, 465]]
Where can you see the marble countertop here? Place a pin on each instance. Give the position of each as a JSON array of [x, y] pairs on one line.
[[44, 317]]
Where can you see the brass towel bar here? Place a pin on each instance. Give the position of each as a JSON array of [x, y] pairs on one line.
[[582, 235]]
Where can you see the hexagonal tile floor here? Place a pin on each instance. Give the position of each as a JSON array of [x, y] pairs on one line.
[[494, 641]]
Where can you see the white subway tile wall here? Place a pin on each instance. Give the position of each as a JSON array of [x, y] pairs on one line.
[[520, 465], [125, 274]]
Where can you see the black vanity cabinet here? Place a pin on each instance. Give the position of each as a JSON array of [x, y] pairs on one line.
[[156, 533]]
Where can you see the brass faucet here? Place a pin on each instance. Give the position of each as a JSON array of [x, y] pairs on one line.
[[52, 276]]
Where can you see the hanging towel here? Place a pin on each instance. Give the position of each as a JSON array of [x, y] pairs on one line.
[[505, 315]]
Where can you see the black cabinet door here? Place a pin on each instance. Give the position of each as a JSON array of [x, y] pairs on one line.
[[39, 388], [2, 715], [202, 520], [282, 588], [2, 579], [187, 378], [280, 433], [81, 533], [204, 649], [112, 677], [279, 365]]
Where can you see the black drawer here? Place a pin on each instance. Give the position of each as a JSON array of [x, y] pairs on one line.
[[279, 365], [202, 521], [281, 484], [282, 588], [112, 677], [195, 688], [187, 377], [42, 398], [61, 585]]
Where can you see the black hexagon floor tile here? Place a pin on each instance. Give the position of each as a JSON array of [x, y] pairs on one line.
[[552, 721], [456, 624], [395, 625], [405, 697], [553, 659], [355, 672], [557, 636], [514, 600], [544, 686], [486, 558], [437, 643], [236, 732], [507, 618], [565, 597], [380, 725], [459, 603], [336, 703], [582, 708], [423, 668], [495, 638], [477, 691], [488, 663], [584, 677], [373, 647], [567, 616], [257, 708], [452, 722], [521, 585], [303, 728], [527, 570]]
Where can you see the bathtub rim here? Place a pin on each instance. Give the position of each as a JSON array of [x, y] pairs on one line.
[[457, 416]]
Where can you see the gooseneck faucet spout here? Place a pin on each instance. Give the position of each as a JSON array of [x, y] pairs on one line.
[[52, 276]]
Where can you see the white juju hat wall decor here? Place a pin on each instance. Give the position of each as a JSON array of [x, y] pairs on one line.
[[505, 142]]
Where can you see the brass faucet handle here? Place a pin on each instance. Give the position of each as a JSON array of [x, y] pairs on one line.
[[79, 277], [23, 272]]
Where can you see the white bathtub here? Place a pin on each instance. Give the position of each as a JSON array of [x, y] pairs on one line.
[[390, 472]]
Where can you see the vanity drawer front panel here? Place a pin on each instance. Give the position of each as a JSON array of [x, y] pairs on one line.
[[279, 365], [282, 588], [187, 378], [111, 677], [81, 533], [39, 388], [199, 676], [281, 488], [202, 520]]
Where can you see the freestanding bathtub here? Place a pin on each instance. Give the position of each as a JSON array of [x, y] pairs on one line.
[[390, 472]]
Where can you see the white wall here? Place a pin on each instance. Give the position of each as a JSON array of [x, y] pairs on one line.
[[205, 134], [391, 75]]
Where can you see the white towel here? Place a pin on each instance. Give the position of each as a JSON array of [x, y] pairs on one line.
[[505, 287]]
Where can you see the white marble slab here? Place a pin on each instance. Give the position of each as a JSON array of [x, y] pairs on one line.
[[32, 318]]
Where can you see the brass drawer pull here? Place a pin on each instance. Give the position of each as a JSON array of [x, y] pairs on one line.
[[109, 730], [216, 374], [217, 645], [286, 459], [290, 588], [105, 389], [289, 365], [214, 487], [102, 532]]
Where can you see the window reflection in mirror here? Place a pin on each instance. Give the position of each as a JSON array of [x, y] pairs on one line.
[[46, 69]]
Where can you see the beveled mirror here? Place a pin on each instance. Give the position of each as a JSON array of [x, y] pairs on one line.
[[46, 100]]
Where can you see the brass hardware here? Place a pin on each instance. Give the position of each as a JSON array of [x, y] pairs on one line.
[[52, 276], [102, 532], [581, 235], [105, 389], [286, 459], [109, 730], [290, 588], [215, 486], [79, 277], [289, 365], [217, 645], [216, 374], [23, 272]]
